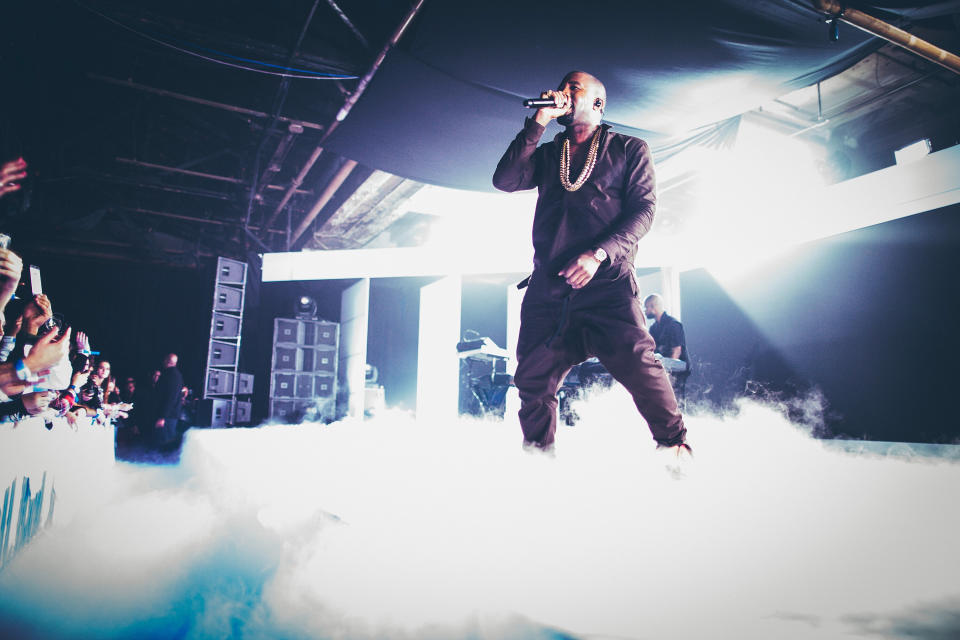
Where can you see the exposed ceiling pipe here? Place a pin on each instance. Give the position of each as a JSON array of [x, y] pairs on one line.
[[810, 128], [179, 216], [275, 164], [887, 31], [847, 107], [341, 116], [365, 80], [207, 103], [202, 193], [805, 115], [297, 181], [138, 258], [278, 101], [335, 182], [350, 25], [196, 174]]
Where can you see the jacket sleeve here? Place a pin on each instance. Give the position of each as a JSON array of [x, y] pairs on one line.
[[519, 168], [639, 204]]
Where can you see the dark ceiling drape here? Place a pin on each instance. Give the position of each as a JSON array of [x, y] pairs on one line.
[[445, 103]]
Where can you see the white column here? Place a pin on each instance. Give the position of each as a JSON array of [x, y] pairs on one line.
[[671, 291], [438, 364], [514, 300], [354, 309]]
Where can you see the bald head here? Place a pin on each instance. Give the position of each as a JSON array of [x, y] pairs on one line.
[[589, 98], [591, 82], [170, 360], [653, 306]]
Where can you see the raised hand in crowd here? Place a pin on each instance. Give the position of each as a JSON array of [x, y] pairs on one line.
[[10, 174], [114, 411], [36, 313], [73, 415], [10, 383], [81, 343], [37, 403], [80, 378], [48, 351], [11, 266]]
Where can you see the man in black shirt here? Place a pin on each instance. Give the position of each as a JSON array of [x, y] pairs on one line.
[[168, 401], [596, 200], [666, 330]]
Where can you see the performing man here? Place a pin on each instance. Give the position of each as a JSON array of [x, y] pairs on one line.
[[596, 200]]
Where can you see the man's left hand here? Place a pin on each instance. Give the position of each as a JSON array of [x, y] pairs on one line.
[[581, 270]]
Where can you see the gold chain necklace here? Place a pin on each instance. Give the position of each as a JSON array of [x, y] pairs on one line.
[[587, 167]]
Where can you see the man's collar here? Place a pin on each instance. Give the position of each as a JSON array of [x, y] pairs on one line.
[[563, 132]]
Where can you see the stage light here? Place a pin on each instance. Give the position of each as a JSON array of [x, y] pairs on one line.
[[306, 308]]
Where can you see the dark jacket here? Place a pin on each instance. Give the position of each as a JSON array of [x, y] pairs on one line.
[[612, 210], [168, 394]]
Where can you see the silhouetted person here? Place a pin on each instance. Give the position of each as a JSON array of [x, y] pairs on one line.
[[168, 400]]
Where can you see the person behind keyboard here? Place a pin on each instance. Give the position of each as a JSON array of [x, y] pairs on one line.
[[666, 330]]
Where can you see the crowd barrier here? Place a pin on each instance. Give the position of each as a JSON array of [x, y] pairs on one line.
[[37, 464]]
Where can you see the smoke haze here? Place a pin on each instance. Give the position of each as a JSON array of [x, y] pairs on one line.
[[391, 528]]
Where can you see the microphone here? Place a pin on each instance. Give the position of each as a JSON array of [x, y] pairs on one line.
[[540, 103]]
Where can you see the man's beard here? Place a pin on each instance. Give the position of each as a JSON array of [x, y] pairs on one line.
[[566, 119]]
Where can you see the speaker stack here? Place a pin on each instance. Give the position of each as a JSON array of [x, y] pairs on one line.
[[226, 394], [303, 375]]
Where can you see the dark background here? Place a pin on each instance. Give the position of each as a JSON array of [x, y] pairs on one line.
[[134, 314], [867, 316]]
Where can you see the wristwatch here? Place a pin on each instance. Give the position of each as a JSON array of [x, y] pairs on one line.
[[599, 254]]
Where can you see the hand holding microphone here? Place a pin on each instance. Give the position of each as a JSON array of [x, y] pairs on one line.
[[545, 100], [550, 105]]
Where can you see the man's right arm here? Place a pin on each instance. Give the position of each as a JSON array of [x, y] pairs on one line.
[[518, 169]]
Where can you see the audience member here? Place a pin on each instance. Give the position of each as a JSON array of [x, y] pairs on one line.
[[91, 394], [110, 393], [168, 400], [11, 266], [129, 391]]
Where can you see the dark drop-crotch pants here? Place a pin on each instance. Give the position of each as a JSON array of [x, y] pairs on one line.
[[560, 327]]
